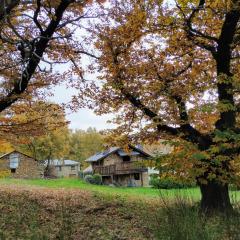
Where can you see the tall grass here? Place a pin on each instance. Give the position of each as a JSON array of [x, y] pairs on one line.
[[50, 213], [182, 219]]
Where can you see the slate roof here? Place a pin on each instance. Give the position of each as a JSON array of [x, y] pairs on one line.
[[65, 162], [122, 153], [101, 155]]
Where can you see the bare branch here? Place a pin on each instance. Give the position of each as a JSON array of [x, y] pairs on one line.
[[88, 54], [35, 16]]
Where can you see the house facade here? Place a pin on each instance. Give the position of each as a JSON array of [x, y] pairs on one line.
[[20, 165], [63, 168], [121, 168]]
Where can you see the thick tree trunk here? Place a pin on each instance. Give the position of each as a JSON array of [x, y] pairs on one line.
[[215, 197]]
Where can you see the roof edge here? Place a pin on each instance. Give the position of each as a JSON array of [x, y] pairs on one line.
[[17, 152]]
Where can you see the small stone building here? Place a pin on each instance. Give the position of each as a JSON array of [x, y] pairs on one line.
[[63, 168], [20, 165]]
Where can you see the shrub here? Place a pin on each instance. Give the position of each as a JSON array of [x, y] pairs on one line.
[[168, 183], [93, 179], [88, 178], [97, 179], [81, 174], [5, 173]]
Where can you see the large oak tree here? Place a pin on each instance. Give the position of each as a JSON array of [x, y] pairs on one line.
[[172, 71]]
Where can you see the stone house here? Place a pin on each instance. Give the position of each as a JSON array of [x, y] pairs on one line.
[[122, 168], [63, 168], [20, 165]]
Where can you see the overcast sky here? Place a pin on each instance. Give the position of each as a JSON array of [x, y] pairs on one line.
[[83, 118]]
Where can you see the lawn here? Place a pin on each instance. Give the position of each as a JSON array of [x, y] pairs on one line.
[[133, 192], [136, 192]]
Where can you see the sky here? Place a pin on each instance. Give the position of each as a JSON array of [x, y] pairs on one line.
[[83, 118]]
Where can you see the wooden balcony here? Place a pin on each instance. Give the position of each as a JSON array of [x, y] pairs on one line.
[[120, 168]]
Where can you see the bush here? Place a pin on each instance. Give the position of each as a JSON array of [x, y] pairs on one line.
[[168, 183], [88, 178], [5, 173], [97, 179], [80, 174], [93, 179]]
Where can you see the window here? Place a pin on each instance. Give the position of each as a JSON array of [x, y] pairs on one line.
[[73, 168], [13, 170], [126, 158], [59, 168], [136, 176], [14, 160]]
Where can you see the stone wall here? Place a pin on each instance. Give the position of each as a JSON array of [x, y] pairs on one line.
[[27, 168], [112, 159], [138, 158], [66, 171], [145, 177]]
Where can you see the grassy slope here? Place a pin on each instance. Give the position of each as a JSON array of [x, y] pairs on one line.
[[29, 212], [72, 209]]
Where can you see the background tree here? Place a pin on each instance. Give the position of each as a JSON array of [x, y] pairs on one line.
[[172, 72], [62, 143], [39, 125], [5, 147], [52, 145], [30, 119], [84, 144]]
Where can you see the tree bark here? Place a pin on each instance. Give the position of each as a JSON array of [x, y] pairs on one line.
[[6, 6], [215, 197]]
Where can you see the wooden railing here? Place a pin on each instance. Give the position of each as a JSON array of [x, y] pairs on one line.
[[120, 168], [106, 170]]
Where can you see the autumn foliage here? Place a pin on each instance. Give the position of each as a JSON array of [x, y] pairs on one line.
[[171, 70]]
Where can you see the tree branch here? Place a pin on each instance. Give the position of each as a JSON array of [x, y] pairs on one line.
[[40, 47], [6, 7], [194, 34], [185, 131], [35, 16]]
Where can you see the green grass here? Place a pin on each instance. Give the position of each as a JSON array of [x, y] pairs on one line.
[[135, 192], [138, 192]]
